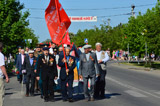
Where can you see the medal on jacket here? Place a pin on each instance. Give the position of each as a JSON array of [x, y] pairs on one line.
[[91, 58], [70, 61], [51, 61], [34, 62]]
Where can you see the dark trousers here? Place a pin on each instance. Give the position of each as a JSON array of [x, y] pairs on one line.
[[100, 84], [64, 88], [40, 84], [48, 85], [30, 78], [24, 78]]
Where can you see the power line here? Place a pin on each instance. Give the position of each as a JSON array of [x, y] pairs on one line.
[[93, 9], [97, 16]]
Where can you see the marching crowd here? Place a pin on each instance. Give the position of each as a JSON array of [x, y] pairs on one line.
[[42, 68]]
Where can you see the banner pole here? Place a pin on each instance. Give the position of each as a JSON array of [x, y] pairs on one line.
[[64, 56]]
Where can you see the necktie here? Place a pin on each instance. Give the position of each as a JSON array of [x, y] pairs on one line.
[[46, 59], [67, 58]]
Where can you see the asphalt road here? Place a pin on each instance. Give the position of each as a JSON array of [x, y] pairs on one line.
[[124, 87]]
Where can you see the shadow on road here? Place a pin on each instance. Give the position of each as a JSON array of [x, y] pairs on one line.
[[9, 93], [8, 89], [108, 96]]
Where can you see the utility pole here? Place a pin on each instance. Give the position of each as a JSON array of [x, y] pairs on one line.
[[146, 51], [132, 11], [128, 53], [109, 20]]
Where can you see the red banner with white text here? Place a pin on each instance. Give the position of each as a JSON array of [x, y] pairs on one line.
[[57, 21]]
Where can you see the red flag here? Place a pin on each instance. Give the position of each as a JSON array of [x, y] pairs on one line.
[[57, 21], [66, 39], [50, 44]]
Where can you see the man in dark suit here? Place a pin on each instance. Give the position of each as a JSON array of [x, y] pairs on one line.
[[28, 66], [19, 52], [47, 65], [19, 63], [67, 75]]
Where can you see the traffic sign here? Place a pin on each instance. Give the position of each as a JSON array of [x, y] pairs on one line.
[[85, 40]]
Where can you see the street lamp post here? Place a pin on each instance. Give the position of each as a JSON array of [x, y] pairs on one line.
[[128, 53], [146, 51], [133, 13], [146, 54]]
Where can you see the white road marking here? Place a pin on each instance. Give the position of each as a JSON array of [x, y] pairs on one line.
[[132, 88], [157, 92], [135, 93]]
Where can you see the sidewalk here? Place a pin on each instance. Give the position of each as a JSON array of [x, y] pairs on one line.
[[137, 68]]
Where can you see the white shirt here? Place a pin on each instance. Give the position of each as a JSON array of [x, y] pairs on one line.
[[2, 63], [23, 56], [87, 56], [99, 56], [51, 51], [47, 58]]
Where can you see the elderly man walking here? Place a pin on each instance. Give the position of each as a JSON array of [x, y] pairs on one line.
[[28, 65], [47, 66], [67, 75], [87, 70], [19, 63], [2, 71], [102, 58]]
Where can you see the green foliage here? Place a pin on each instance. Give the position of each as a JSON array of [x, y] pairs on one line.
[[138, 31], [106, 35], [14, 26], [144, 29], [47, 41]]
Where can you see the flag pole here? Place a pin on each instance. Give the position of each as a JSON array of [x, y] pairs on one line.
[[64, 56]]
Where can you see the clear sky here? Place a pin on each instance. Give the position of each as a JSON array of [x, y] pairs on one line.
[[113, 9]]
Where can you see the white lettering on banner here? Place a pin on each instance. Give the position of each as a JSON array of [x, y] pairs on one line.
[[56, 20], [83, 18], [52, 19], [48, 18], [58, 30], [55, 14]]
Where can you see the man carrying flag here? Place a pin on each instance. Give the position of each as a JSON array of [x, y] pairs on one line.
[[57, 22]]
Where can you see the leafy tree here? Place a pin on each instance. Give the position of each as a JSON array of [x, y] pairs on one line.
[[14, 26], [47, 41], [145, 29], [139, 31]]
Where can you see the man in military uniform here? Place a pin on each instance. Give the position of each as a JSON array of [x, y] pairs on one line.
[[88, 70], [37, 53], [102, 58], [47, 65]]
